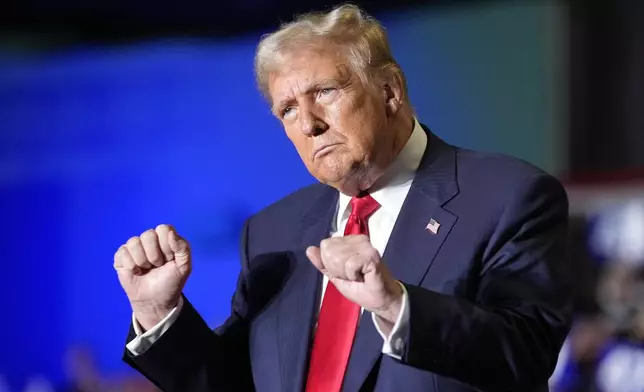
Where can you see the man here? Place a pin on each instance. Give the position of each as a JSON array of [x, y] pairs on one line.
[[413, 265]]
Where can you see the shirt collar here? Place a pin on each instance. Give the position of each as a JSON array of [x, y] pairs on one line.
[[391, 188]]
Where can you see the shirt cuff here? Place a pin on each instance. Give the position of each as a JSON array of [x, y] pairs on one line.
[[394, 344], [145, 340]]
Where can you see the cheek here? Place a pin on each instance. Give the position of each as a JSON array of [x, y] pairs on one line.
[[359, 128], [355, 116], [300, 142], [290, 133], [335, 113]]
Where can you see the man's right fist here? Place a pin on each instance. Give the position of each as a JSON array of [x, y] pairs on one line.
[[153, 269]]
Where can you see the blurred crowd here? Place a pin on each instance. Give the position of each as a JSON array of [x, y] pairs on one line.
[[605, 348], [83, 375]]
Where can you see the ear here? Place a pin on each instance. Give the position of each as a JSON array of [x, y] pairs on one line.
[[393, 94]]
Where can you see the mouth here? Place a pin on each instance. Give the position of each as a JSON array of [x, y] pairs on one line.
[[324, 150]]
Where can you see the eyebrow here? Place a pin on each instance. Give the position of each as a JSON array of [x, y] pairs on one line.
[[277, 107], [308, 90]]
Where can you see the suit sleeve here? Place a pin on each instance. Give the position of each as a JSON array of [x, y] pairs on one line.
[[190, 356], [510, 337]]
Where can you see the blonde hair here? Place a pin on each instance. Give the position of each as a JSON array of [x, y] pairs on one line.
[[362, 39]]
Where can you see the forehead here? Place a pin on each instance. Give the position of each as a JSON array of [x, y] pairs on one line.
[[301, 69]]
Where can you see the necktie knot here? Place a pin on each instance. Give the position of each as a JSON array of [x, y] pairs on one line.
[[363, 206]]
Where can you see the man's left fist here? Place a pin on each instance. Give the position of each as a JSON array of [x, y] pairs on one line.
[[354, 266]]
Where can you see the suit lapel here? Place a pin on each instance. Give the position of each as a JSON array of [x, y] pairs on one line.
[[411, 247], [423, 224], [300, 298]]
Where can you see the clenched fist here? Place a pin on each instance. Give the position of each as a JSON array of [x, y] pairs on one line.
[[354, 266], [152, 269]]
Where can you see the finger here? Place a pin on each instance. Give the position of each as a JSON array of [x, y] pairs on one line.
[[162, 235], [138, 254], [353, 269], [150, 243], [123, 260], [333, 253], [181, 250], [314, 254], [178, 245], [353, 243], [118, 257]]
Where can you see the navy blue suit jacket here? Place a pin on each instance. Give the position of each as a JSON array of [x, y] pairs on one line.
[[489, 293]]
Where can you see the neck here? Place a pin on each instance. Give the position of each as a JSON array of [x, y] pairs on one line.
[[365, 176]]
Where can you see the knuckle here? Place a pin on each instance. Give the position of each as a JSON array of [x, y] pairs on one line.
[[332, 242], [372, 253], [353, 263], [185, 241], [148, 235], [119, 252], [327, 254], [162, 228], [133, 241], [357, 239]]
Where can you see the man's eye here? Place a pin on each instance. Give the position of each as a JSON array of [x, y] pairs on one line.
[[326, 91], [286, 111]]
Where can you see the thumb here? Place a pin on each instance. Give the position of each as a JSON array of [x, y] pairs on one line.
[[314, 254], [181, 251]]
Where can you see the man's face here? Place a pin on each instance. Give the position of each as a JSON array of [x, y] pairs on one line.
[[338, 126]]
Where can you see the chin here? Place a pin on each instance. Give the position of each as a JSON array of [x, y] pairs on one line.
[[349, 183], [332, 179], [338, 172]]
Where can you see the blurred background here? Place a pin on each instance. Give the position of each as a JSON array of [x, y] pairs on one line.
[[118, 115]]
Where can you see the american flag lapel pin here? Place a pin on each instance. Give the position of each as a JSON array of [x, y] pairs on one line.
[[433, 226]]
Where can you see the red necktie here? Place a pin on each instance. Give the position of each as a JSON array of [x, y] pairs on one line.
[[338, 317]]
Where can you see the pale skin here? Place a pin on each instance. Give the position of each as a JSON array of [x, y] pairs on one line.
[[346, 133]]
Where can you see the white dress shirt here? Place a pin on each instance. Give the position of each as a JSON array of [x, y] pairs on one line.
[[390, 192]]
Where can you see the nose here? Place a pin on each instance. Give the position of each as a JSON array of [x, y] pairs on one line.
[[312, 124]]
